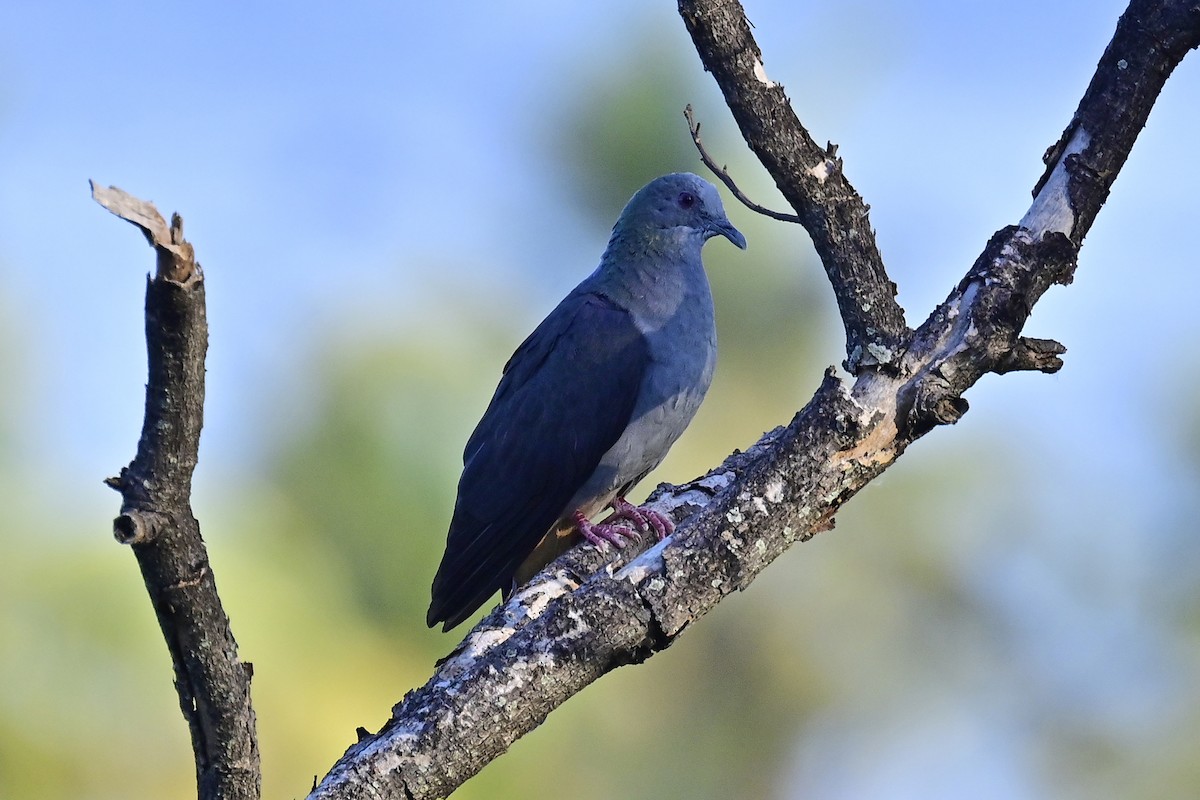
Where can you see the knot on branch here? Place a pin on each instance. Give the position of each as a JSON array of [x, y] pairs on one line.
[[827, 167], [1028, 354], [138, 527], [929, 401]]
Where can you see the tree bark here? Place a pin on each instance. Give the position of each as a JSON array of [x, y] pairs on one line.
[[156, 518], [580, 617]]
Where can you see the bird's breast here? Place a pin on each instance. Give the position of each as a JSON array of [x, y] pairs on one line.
[[682, 359]]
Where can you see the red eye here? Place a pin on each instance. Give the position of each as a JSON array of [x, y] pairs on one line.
[[686, 199]]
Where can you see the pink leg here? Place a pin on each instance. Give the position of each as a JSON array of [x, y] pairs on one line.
[[598, 534], [612, 531]]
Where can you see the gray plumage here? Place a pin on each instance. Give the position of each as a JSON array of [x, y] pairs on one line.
[[592, 400]]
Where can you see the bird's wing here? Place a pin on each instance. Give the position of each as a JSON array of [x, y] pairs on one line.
[[567, 395]]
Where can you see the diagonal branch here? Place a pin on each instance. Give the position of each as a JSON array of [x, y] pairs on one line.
[[810, 178], [573, 623], [156, 515]]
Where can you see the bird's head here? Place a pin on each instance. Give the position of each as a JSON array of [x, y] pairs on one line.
[[682, 203]]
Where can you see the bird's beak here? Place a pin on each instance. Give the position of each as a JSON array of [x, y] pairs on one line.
[[725, 228]]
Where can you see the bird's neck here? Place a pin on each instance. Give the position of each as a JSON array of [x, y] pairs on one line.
[[655, 255], [657, 269]]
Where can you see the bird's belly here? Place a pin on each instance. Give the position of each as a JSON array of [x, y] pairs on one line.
[[683, 356], [640, 449], [645, 441]]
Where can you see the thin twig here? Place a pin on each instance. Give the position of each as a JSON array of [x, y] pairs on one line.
[[723, 174]]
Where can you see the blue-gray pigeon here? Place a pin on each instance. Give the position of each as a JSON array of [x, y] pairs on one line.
[[590, 402]]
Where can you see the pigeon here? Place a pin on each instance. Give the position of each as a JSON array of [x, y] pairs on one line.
[[589, 403]]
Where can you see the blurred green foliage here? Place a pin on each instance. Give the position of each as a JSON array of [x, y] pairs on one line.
[[917, 617]]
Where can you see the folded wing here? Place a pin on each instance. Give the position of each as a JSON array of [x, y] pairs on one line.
[[566, 396]]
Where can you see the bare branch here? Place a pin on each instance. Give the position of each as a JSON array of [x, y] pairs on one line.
[[573, 623], [810, 178], [723, 173], [1152, 38], [1040, 355], [156, 517]]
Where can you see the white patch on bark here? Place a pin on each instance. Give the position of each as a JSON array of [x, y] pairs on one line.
[[644, 566], [1051, 210], [478, 643], [957, 338], [699, 494], [536, 596], [518, 673], [760, 72]]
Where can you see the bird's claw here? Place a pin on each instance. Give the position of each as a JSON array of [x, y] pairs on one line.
[[613, 530], [644, 519], [599, 534]]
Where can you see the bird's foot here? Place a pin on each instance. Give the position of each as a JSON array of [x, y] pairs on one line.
[[615, 532], [604, 532], [644, 519]]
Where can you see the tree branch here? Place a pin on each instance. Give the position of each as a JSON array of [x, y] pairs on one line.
[[810, 178], [156, 516], [575, 620], [723, 174]]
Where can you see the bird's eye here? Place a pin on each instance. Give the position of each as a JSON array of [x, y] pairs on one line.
[[686, 199]]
